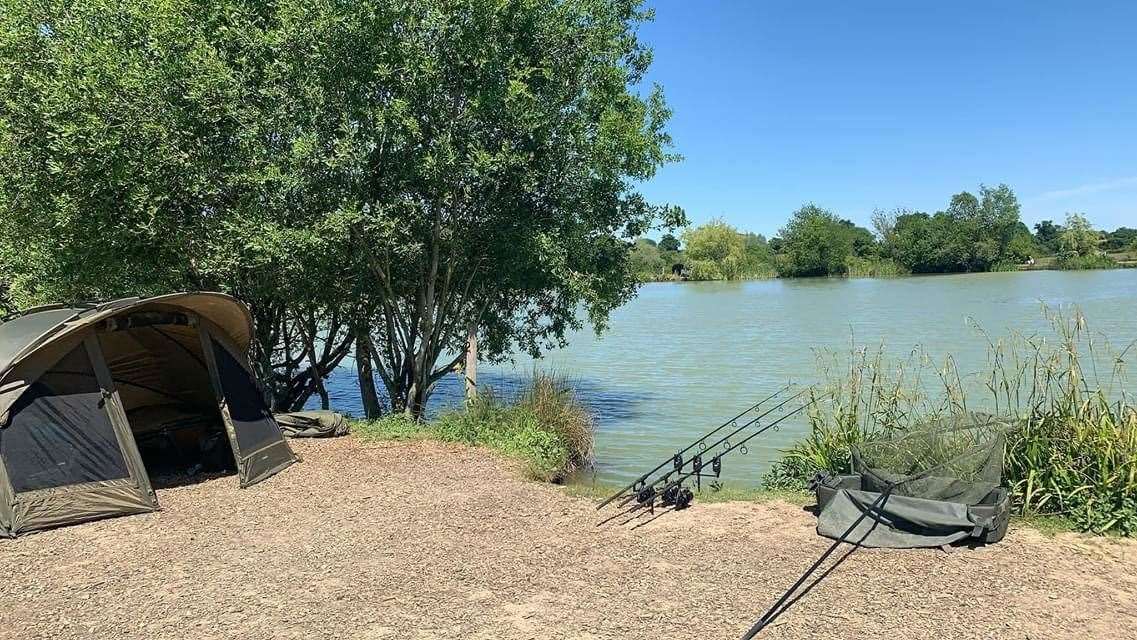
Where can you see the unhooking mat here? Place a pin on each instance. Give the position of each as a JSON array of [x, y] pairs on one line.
[[312, 424], [933, 485]]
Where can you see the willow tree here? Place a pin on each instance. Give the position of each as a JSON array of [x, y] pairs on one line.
[[504, 169]]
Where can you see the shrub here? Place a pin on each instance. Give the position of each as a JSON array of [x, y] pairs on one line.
[[1075, 262], [704, 270], [553, 402]]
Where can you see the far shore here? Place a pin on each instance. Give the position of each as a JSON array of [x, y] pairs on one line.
[[1121, 266]]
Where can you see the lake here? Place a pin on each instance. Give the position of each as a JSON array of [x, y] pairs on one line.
[[683, 357]]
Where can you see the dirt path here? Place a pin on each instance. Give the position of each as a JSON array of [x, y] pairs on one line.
[[431, 541]]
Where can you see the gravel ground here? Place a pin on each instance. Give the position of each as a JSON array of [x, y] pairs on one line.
[[425, 540]]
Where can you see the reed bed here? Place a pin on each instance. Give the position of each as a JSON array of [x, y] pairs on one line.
[[1072, 452]]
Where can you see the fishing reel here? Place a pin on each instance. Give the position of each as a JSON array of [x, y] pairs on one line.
[[677, 496], [645, 495]]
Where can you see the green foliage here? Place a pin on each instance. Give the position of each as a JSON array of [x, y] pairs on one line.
[[760, 260], [146, 148], [546, 427], [669, 243], [1047, 235], [1074, 455], [388, 169], [1076, 262], [1080, 246], [862, 241], [972, 234], [499, 157], [648, 262], [395, 426], [873, 267], [1079, 238], [815, 242], [716, 251], [702, 270], [1120, 239], [1021, 248]]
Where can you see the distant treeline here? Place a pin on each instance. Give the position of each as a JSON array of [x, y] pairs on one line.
[[974, 233]]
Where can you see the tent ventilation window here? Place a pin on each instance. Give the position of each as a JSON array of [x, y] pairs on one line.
[[59, 433]]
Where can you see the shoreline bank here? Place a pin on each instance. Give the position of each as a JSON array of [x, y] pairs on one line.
[[429, 540]]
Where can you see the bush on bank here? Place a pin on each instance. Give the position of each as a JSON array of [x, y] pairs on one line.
[[545, 426], [1075, 262], [1073, 456]]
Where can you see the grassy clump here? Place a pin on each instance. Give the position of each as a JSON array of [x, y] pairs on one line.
[[545, 426], [394, 426], [1073, 455]]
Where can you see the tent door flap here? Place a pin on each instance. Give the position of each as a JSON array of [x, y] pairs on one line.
[[258, 444]]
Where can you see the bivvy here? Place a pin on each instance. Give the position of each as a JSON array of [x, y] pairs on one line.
[[96, 399], [938, 484], [667, 489]]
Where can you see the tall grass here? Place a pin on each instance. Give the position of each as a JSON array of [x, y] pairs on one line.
[[545, 426], [874, 268], [1073, 453]]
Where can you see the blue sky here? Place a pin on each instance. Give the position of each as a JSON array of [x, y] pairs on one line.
[[864, 105]]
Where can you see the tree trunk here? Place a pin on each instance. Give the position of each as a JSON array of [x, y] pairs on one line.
[[471, 371], [367, 391]]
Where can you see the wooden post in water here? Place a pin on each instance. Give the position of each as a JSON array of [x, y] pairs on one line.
[[471, 371]]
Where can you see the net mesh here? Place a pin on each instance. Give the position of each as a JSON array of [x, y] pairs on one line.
[[955, 459]]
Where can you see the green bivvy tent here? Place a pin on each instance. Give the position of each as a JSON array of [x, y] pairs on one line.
[[96, 399]]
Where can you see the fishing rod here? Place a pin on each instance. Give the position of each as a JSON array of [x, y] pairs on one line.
[[875, 510], [784, 602], [648, 491], [676, 495], [638, 482]]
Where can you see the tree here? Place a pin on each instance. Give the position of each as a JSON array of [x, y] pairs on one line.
[[1120, 239], [759, 257], [864, 245], [377, 174], [715, 251], [647, 261], [972, 234], [815, 242], [181, 161], [1079, 238], [668, 243], [498, 159], [1047, 234]]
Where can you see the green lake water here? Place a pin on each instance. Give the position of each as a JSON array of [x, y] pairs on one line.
[[681, 358]]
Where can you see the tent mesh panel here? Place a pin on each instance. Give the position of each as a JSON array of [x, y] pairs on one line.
[[954, 459], [251, 417], [59, 433]]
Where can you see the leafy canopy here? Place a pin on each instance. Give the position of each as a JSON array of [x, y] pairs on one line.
[[406, 168], [815, 242]]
